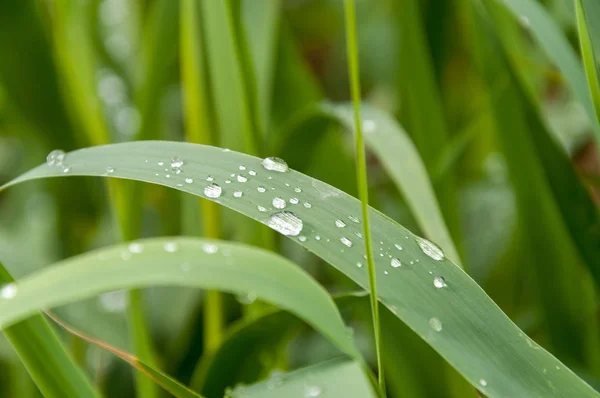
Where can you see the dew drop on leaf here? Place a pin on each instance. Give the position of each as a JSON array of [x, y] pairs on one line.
[[252, 173], [8, 291], [210, 248], [353, 219], [398, 246], [312, 391], [242, 167], [297, 190], [176, 162], [347, 242], [261, 189], [395, 262], [238, 194], [286, 223], [189, 180], [340, 224], [66, 169], [135, 248], [210, 178], [242, 178], [110, 170], [278, 203], [430, 249], [439, 282], [170, 247], [435, 324], [212, 191], [294, 201], [483, 382], [55, 158], [261, 209], [307, 205], [275, 164]]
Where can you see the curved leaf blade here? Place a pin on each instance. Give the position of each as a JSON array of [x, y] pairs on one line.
[[477, 338]]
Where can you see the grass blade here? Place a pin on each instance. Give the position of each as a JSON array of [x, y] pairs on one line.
[[331, 379], [47, 361], [588, 18], [362, 182], [477, 339]]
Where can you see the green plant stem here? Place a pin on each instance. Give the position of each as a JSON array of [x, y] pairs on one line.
[[361, 173], [197, 125], [588, 55]]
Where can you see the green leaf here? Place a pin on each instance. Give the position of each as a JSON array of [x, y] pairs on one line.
[[331, 379], [477, 339], [588, 19], [47, 361], [184, 262], [554, 43]]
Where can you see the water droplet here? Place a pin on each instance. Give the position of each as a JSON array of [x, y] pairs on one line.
[[210, 178], [168, 175], [398, 246], [242, 178], [278, 203], [287, 184], [275, 164], [312, 391], [261, 189], [369, 126], [110, 170], [66, 169], [176, 170], [297, 190], [55, 158], [307, 205], [227, 181], [247, 298], [318, 237], [483, 382], [261, 209], [439, 282], [430, 249], [161, 163], [435, 324], [385, 272], [176, 162], [286, 223], [170, 247], [8, 291], [226, 150], [189, 180], [395, 263], [347, 242], [136, 247], [252, 173], [353, 219], [238, 194], [302, 238], [340, 224], [210, 248], [212, 191], [294, 201], [242, 168], [358, 235], [359, 264]]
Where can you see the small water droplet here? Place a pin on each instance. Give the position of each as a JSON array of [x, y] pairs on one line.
[[170, 247], [168, 175], [226, 150], [385, 272], [135, 247], [287, 184], [261, 189], [347, 242], [302, 238], [210, 178], [238, 194], [395, 263], [398, 246], [435, 324], [286, 223], [247, 298], [294, 201], [110, 170], [212, 191], [55, 158], [340, 224], [439, 282], [353, 219], [318, 237], [66, 169], [242, 167], [161, 163], [189, 180], [483, 382], [176, 170], [358, 235], [297, 190], [312, 391], [252, 173], [8, 291], [242, 178], [176, 162], [261, 209], [359, 264], [275, 164], [278, 203], [227, 181], [430, 249], [307, 205], [210, 248]]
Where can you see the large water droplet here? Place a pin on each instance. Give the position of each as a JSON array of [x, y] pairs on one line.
[[395, 263], [340, 224], [435, 324], [210, 248], [439, 282], [278, 203], [275, 164], [212, 191], [55, 158], [483, 382], [8, 291], [242, 178], [312, 391], [238, 194], [346, 241], [430, 249], [176, 162], [286, 223]]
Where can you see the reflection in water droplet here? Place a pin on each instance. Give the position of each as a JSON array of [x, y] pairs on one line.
[[176, 162], [347, 242], [242, 178], [238, 194], [242, 167], [435, 324], [294, 201], [210, 248], [297, 190], [430, 249], [395, 262], [278, 203], [135, 247], [318, 237], [353, 219], [252, 173], [189, 180], [8, 291], [170, 247], [398, 246], [275, 164], [66, 169], [340, 224], [439, 282], [483, 382], [307, 205], [359, 264], [286, 222], [210, 178], [261, 189], [110, 170], [55, 158], [212, 191]]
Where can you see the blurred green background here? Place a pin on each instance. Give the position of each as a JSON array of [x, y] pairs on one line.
[[506, 140]]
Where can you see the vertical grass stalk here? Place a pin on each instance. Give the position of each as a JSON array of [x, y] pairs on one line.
[[588, 55], [361, 175]]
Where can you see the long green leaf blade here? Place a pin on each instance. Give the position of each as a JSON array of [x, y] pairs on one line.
[[588, 18], [476, 337]]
